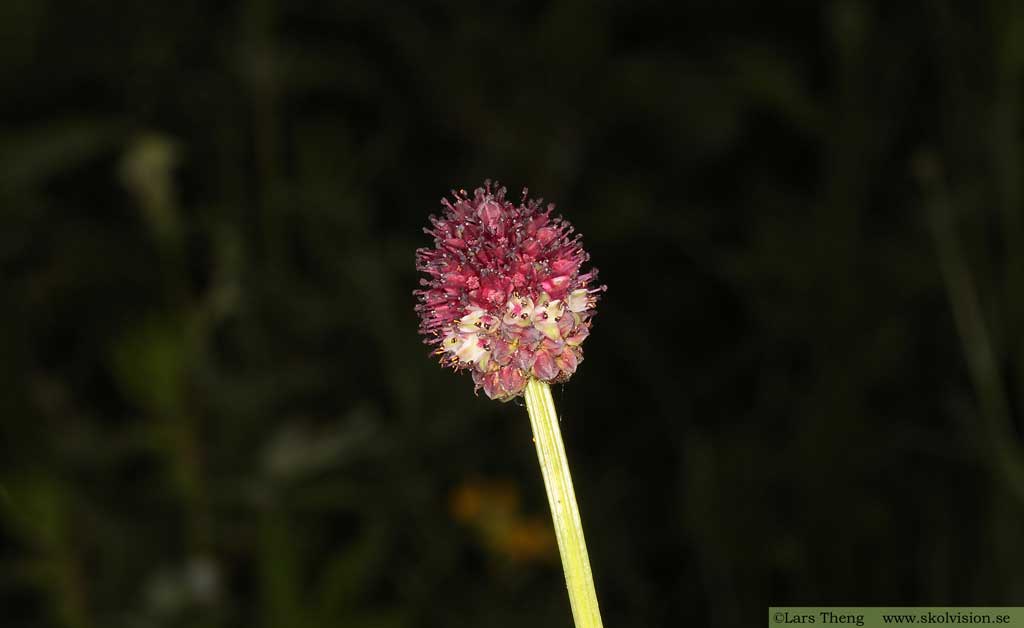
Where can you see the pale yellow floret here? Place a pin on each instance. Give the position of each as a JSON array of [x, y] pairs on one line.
[[578, 300], [478, 319], [545, 318], [515, 309], [470, 349], [467, 348]]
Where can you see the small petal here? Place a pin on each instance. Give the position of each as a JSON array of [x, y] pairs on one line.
[[512, 380], [545, 235], [545, 319], [471, 349], [567, 362], [524, 359], [578, 300], [490, 216], [566, 323], [451, 342], [564, 266], [518, 311], [489, 382], [554, 347], [501, 351], [544, 367], [555, 286], [472, 322], [491, 386], [578, 336]]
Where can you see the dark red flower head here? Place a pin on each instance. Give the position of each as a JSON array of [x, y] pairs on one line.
[[505, 295]]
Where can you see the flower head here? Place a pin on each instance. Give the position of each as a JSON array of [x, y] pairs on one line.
[[505, 295]]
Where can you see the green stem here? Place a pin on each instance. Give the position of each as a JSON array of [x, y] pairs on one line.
[[562, 499]]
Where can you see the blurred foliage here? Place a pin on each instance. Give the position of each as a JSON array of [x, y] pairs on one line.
[[492, 509], [805, 385]]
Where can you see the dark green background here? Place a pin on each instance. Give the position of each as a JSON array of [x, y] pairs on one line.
[[805, 382]]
